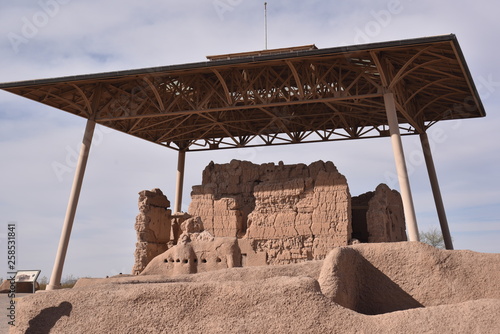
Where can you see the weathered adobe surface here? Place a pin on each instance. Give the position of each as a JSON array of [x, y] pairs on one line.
[[153, 227], [292, 213], [303, 216], [406, 287], [197, 251], [378, 216], [272, 198], [280, 214]]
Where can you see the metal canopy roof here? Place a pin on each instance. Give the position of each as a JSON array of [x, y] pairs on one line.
[[286, 98]]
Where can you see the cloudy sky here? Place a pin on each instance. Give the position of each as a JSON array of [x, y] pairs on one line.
[[52, 38]]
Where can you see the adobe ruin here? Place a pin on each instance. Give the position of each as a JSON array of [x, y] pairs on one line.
[[245, 214], [153, 227]]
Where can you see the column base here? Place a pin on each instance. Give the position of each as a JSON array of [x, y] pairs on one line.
[[53, 287]]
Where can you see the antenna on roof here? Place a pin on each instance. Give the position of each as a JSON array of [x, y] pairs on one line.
[[265, 21]]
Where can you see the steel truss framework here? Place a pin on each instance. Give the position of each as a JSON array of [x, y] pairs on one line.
[[296, 97], [273, 99]]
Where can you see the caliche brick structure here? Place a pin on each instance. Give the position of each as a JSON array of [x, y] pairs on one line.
[[153, 226], [378, 216], [274, 214], [196, 251]]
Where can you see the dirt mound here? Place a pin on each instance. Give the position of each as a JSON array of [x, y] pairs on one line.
[[381, 278], [434, 291]]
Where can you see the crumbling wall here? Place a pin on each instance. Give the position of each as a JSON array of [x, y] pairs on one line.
[[153, 226], [378, 216], [385, 216], [225, 198], [197, 251], [263, 214], [301, 218], [291, 213]]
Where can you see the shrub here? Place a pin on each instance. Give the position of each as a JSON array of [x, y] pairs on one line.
[[433, 237]]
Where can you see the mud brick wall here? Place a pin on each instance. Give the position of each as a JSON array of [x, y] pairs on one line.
[[153, 227], [291, 212]]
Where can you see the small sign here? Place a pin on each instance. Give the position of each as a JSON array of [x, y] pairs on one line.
[[27, 275]]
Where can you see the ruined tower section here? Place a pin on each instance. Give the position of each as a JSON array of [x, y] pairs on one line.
[[378, 216], [153, 227], [289, 213], [385, 216]]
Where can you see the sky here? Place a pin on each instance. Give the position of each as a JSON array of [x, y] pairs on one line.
[[53, 38]]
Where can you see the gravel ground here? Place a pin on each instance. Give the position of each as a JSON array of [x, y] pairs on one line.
[[4, 304]]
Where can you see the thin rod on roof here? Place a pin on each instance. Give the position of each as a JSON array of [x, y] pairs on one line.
[[265, 23]]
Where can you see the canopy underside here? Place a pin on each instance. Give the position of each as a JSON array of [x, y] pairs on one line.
[[295, 97]]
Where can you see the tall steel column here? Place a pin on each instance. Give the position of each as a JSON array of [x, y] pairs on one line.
[[404, 183], [438, 200], [181, 161], [55, 278]]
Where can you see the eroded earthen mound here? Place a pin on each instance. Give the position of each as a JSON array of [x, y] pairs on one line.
[[411, 287]]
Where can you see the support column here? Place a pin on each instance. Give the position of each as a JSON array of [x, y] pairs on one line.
[[55, 278], [181, 161], [438, 200], [404, 183]]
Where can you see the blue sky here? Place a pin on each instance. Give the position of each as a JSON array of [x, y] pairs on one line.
[[51, 38]]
